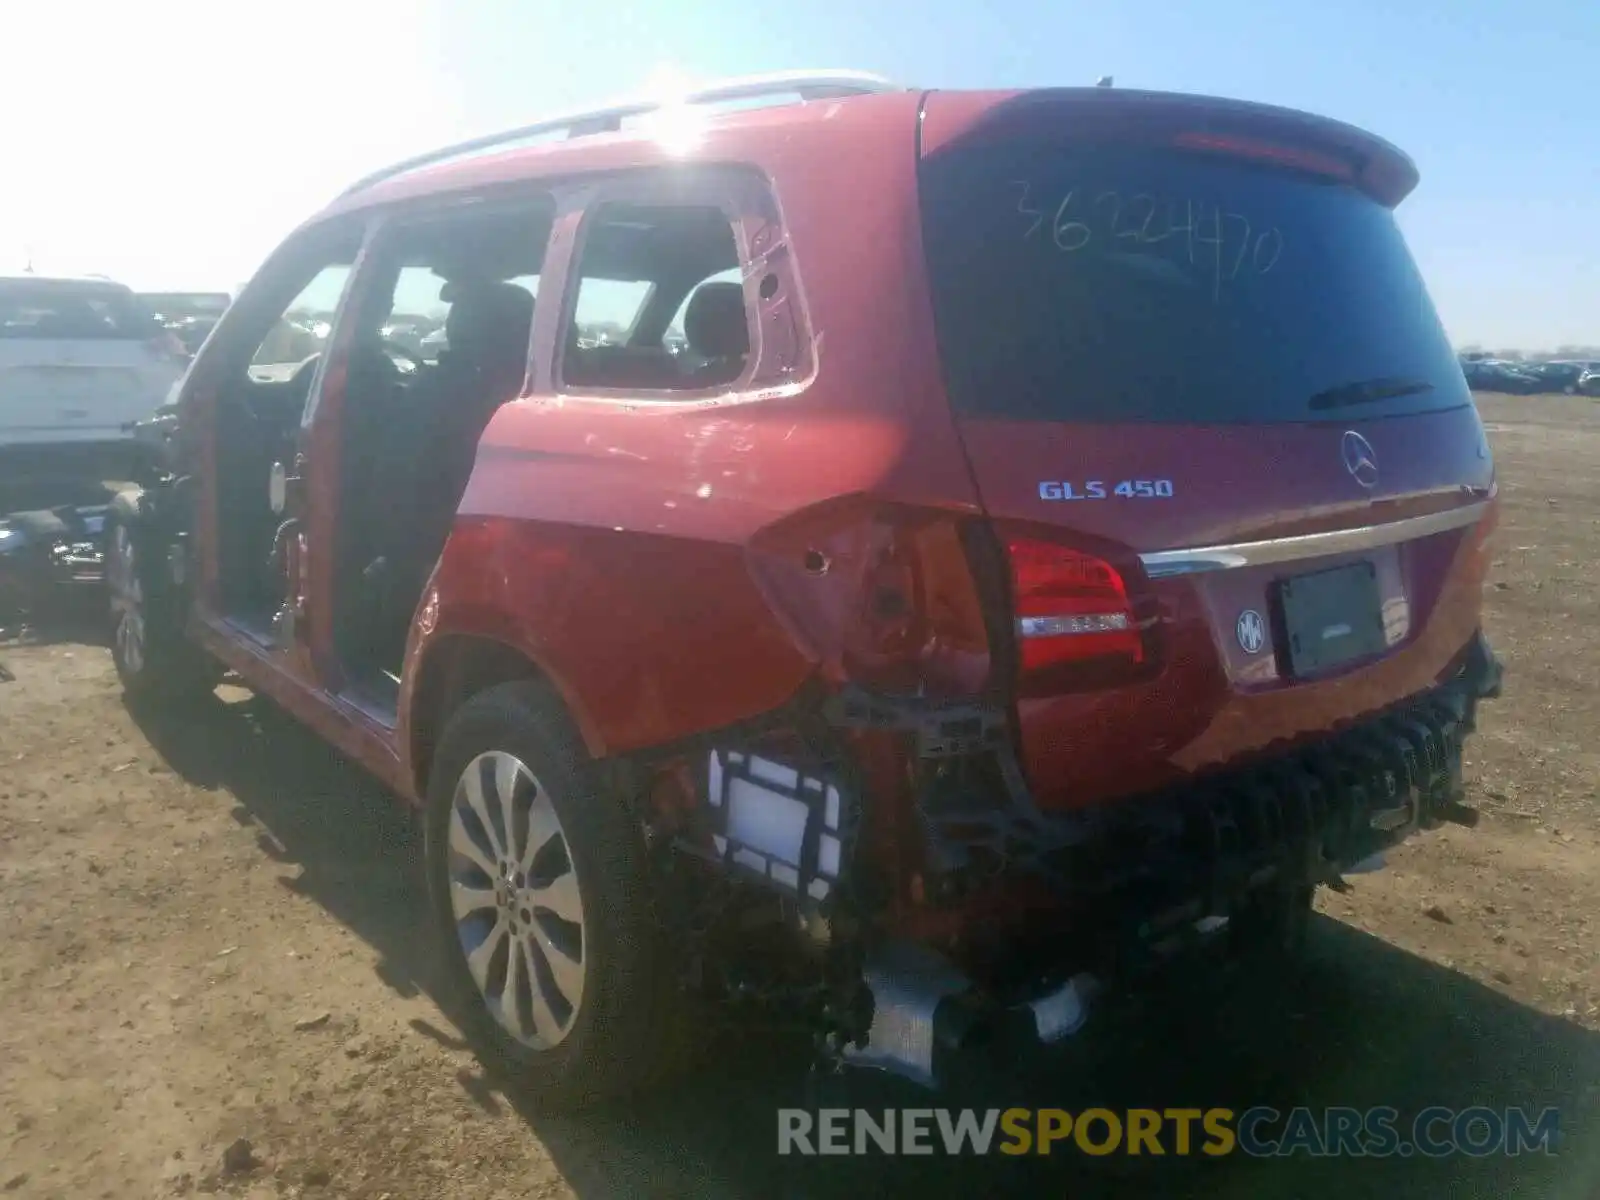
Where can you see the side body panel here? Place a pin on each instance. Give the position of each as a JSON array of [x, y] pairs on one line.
[[607, 538]]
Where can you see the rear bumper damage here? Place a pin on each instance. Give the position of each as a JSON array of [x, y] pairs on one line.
[[1150, 882], [1014, 921]]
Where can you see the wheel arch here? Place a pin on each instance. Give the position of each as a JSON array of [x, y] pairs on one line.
[[450, 668]]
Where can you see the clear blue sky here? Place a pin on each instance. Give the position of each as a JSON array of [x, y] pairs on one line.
[[224, 124]]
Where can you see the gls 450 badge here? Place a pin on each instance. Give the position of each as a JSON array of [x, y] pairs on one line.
[[1101, 489]]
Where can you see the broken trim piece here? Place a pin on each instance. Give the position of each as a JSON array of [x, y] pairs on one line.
[[943, 729], [923, 1004], [909, 983], [1005, 818]]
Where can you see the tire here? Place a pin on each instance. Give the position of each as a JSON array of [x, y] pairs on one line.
[[568, 930], [155, 660]]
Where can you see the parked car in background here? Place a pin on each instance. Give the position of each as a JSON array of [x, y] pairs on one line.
[[1589, 383], [1487, 375], [434, 344], [1558, 376], [293, 340], [166, 305], [407, 336], [189, 316], [81, 360]]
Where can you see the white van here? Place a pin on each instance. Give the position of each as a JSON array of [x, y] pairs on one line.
[[81, 359]]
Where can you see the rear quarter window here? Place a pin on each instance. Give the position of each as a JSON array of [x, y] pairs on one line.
[[1112, 284], [65, 310]]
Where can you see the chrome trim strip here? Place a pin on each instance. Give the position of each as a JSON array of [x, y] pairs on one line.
[[1062, 626], [1162, 563]]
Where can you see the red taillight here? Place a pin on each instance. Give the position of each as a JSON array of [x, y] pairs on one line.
[[1269, 152], [1070, 607]]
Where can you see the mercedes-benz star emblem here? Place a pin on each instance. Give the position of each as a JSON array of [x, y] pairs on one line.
[[1359, 459], [1252, 631]]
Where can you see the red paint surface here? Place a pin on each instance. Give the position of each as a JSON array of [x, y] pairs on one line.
[[1210, 701], [612, 536], [648, 557]]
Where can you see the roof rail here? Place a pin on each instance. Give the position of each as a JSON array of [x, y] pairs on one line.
[[807, 85]]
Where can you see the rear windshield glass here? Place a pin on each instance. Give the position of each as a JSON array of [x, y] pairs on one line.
[[1099, 284], [49, 308]]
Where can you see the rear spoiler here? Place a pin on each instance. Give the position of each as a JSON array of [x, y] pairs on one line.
[[1238, 128]]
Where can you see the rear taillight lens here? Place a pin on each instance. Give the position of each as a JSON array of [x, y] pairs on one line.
[[1071, 608]]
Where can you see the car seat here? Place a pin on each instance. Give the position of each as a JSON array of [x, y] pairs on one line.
[[718, 336], [427, 457]]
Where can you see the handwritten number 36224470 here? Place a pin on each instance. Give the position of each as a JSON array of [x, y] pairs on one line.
[[1225, 243]]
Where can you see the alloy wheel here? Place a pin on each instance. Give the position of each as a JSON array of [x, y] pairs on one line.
[[515, 898], [127, 600]]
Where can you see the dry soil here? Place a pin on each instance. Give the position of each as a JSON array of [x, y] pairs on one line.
[[211, 933]]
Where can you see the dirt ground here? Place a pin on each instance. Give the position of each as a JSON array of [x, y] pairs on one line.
[[211, 933]]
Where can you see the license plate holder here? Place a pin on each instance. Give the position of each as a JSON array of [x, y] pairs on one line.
[[1330, 618]]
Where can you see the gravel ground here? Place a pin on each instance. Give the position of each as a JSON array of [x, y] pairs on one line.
[[211, 934]]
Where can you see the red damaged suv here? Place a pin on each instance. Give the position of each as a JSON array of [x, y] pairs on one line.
[[915, 560]]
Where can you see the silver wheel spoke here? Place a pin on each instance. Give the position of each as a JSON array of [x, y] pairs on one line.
[[130, 637], [566, 971], [121, 552], [560, 896], [544, 1018], [506, 770], [472, 786], [542, 826], [127, 598], [478, 960], [466, 900], [463, 843], [518, 977]]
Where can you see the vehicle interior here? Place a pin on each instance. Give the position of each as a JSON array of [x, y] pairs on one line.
[[688, 259], [411, 437], [261, 397], [411, 424], [667, 277]]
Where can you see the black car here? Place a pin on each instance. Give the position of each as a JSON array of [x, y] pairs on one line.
[[1485, 376], [1559, 376]]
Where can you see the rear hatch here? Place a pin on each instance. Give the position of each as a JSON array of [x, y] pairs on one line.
[[1213, 417], [79, 361]]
